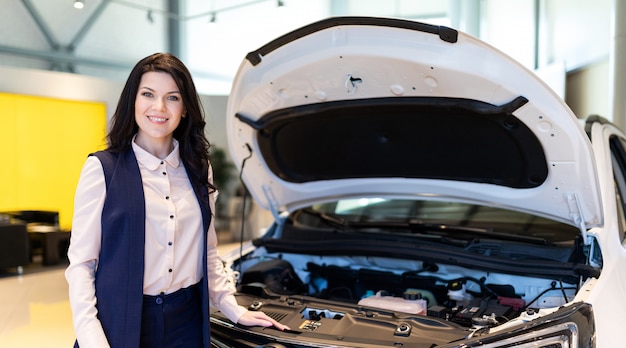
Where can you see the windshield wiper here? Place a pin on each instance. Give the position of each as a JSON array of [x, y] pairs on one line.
[[333, 221], [451, 232], [345, 225], [418, 226]]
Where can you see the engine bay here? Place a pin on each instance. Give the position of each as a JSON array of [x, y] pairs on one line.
[[385, 297], [376, 284]]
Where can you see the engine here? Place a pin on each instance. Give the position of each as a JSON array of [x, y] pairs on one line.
[[468, 298]]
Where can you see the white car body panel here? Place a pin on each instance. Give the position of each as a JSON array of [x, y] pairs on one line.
[[607, 292]]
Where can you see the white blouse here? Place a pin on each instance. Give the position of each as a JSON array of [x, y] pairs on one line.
[[173, 249]]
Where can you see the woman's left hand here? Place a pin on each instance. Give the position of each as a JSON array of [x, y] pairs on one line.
[[254, 318]]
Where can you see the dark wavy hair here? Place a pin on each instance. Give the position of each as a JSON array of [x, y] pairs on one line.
[[193, 144]]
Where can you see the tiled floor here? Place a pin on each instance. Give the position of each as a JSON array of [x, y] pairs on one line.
[[35, 310]]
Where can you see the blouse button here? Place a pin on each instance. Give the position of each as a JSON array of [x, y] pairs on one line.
[[169, 270], [161, 162], [164, 173], [167, 197], [171, 216], [169, 243]]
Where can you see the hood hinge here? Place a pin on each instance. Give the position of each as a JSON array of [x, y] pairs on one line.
[[576, 214]]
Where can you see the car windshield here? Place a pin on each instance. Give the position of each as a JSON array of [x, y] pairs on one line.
[[435, 217]]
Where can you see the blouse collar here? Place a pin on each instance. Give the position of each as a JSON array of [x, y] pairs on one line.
[[151, 162]]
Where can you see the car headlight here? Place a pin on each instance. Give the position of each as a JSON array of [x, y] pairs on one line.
[[569, 327]]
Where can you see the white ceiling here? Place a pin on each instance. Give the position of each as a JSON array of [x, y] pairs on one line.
[[107, 37]]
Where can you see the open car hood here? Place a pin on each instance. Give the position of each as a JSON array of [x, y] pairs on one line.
[[362, 106]]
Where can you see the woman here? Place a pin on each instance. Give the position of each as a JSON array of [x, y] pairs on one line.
[[143, 257]]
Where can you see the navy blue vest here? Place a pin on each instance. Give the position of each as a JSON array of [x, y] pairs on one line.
[[119, 276]]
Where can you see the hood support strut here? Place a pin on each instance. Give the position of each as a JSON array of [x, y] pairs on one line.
[[577, 215], [275, 210]]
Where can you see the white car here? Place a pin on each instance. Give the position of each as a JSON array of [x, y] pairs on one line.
[[427, 190]]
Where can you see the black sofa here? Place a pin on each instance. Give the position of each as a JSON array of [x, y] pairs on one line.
[[14, 246], [44, 236]]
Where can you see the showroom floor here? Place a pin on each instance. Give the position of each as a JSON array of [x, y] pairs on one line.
[[35, 311]]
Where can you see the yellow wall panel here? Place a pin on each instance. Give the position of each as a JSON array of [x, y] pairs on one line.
[[8, 146], [51, 140]]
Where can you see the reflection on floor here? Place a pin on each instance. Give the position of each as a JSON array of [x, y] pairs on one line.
[[35, 310]]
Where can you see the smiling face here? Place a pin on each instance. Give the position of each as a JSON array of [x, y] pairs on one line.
[[158, 110]]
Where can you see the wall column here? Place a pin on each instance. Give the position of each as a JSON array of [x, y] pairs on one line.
[[617, 62]]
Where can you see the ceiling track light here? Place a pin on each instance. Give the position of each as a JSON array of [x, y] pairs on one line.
[[213, 18], [79, 4], [280, 3]]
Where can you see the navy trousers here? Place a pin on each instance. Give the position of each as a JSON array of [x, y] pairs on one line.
[[172, 320]]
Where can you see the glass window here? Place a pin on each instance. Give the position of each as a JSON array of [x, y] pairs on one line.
[[401, 214], [618, 158]]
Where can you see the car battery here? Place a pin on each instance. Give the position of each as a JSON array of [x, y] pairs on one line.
[[482, 311]]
